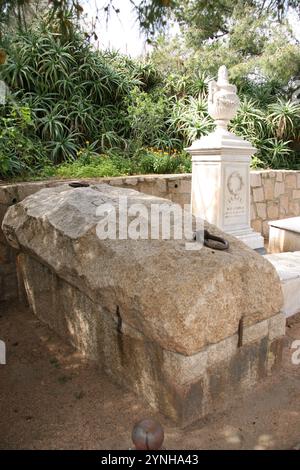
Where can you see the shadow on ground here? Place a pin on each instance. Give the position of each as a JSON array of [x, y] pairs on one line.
[[52, 399]]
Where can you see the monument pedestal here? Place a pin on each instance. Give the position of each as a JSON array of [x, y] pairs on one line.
[[221, 186]]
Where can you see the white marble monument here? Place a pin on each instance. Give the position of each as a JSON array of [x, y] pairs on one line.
[[221, 167]]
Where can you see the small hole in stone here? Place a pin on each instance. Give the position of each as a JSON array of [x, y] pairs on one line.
[[14, 200], [176, 185]]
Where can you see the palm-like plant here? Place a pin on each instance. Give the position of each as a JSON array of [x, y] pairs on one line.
[[74, 93], [276, 153], [199, 85], [189, 118], [261, 128], [65, 146], [284, 116], [250, 121]]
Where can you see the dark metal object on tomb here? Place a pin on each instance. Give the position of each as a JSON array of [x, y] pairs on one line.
[[211, 241]]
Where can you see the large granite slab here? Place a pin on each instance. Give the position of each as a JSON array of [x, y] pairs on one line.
[[184, 329]]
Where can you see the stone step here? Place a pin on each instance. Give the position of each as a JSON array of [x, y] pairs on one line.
[[287, 266], [284, 235]]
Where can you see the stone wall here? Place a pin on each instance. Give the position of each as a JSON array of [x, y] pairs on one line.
[[274, 194]]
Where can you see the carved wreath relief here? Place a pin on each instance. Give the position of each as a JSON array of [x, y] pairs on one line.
[[235, 196], [235, 185]]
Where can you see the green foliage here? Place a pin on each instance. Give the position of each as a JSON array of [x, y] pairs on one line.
[[157, 161], [284, 117], [146, 160], [148, 117], [88, 170], [74, 93], [206, 19], [189, 118], [21, 153], [270, 130], [76, 112], [17, 15], [257, 46]]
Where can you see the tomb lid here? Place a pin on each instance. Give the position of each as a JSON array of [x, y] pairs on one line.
[[181, 299]]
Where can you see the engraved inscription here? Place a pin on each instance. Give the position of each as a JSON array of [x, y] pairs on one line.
[[235, 200]]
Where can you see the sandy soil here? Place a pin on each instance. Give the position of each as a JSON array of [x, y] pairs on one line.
[[52, 399]]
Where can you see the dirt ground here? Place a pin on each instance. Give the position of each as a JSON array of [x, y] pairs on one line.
[[51, 399]]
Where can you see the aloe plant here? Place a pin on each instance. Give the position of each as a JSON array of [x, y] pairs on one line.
[[75, 94], [284, 116]]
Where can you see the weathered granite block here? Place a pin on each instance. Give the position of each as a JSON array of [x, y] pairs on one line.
[[159, 319], [185, 388]]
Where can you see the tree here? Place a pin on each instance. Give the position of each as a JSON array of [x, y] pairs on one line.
[[258, 46], [15, 14], [211, 18]]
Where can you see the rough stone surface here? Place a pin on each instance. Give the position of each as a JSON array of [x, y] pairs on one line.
[[257, 225], [291, 180], [258, 195], [279, 189], [169, 293], [278, 193], [269, 189], [296, 193], [272, 211], [284, 205], [261, 208], [277, 325], [256, 332], [177, 189], [255, 179], [222, 351], [159, 319], [185, 388]]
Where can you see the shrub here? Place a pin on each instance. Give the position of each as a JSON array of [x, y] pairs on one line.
[[157, 161], [73, 92], [21, 152], [94, 113]]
